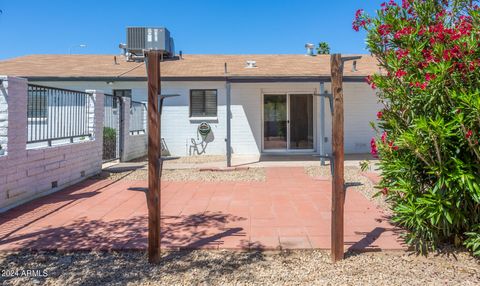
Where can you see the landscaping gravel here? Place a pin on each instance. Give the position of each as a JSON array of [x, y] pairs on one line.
[[189, 159], [241, 268], [355, 181], [243, 175]]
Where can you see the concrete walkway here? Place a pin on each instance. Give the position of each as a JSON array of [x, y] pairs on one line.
[[289, 210]]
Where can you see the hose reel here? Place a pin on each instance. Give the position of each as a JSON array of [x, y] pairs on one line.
[[204, 129]]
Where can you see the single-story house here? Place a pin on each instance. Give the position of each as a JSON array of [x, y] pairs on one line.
[[275, 102]]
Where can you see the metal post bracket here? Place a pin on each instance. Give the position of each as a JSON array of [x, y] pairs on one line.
[[330, 99], [164, 96]]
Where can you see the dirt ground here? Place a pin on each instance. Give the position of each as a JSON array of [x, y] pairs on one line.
[[238, 268], [256, 174]]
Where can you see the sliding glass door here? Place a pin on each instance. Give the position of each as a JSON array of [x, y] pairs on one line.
[[275, 122], [301, 121], [288, 122]]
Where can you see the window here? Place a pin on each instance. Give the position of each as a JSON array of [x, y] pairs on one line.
[[123, 92], [37, 105], [120, 93], [203, 103]]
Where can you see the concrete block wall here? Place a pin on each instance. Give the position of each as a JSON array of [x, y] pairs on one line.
[[26, 174], [136, 145], [3, 115]]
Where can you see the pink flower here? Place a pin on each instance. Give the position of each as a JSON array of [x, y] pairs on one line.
[[405, 4], [405, 31], [419, 85], [358, 13], [469, 134], [384, 137], [429, 76], [383, 29], [384, 191], [427, 55], [379, 115], [400, 73], [401, 53], [422, 31], [370, 82], [373, 148], [393, 147]]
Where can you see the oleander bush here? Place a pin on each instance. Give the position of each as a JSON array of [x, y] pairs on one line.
[[428, 130]]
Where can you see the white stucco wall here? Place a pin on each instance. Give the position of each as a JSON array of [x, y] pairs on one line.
[[178, 129]]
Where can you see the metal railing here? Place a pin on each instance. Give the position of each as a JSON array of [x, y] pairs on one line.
[[138, 113], [57, 114], [112, 131]]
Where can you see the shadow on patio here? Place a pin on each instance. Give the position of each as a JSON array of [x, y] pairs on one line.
[[203, 230]]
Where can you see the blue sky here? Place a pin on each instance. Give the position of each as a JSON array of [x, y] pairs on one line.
[[198, 27]]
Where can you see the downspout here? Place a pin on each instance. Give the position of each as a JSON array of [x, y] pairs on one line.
[[322, 124], [229, 120]]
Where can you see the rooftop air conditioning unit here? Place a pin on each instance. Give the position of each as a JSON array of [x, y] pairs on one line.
[[141, 39]]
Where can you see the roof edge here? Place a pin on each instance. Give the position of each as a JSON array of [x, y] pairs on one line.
[[234, 79]]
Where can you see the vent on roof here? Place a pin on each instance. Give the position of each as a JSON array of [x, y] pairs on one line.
[[309, 48], [251, 64], [354, 66]]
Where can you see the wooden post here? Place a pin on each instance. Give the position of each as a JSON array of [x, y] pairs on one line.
[[338, 183], [154, 153]]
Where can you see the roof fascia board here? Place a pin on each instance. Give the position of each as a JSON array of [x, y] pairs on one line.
[[233, 79]]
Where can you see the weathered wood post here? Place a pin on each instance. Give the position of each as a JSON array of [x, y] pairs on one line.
[[154, 153], [338, 183]]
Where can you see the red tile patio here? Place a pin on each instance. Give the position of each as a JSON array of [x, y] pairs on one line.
[[290, 210]]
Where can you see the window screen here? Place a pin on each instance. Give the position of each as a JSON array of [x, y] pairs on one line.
[[203, 103]]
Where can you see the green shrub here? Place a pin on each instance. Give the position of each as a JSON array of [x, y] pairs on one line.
[[109, 133], [428, 129], [109, 143], [473, 240]]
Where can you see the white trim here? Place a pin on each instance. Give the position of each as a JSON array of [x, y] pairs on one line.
[[199, 118]]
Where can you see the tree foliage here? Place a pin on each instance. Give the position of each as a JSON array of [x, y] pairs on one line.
[[323, 48], [428, 130]]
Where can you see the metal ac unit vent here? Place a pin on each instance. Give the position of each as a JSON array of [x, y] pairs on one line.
[[140, 39]]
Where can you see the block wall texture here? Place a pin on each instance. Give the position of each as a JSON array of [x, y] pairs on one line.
[[26, 174]]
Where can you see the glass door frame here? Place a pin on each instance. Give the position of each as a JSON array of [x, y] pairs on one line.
[[288, 149]]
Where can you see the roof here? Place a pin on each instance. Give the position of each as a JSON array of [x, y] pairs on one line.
[[199, 67]]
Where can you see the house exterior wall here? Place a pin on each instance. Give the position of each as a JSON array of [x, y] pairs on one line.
[[28, 173], [179, 130]]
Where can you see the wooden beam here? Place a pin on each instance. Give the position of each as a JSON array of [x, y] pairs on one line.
[[154, 153], [338, 183]]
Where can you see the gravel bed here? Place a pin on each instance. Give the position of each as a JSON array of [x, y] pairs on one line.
[[189, 159], [241, 268], [248, 175], [355, 180]]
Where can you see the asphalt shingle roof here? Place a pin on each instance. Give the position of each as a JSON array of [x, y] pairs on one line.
[[100, 66]]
